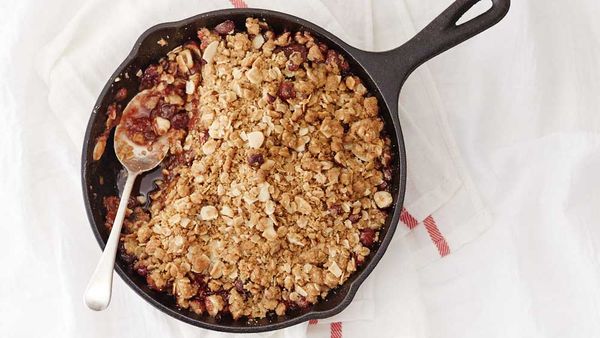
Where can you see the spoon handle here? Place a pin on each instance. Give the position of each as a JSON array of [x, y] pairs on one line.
[[98, 291]]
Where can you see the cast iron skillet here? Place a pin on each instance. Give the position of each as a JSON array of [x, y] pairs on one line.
[[383, 74]]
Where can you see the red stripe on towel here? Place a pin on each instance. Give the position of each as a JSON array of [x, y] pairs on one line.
[[408, 219], [312, 322], [336, 330], [239, 3], [436, 236]]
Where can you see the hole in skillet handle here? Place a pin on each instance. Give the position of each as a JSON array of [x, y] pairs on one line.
[[475, 11]]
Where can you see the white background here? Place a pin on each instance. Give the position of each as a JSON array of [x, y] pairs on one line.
[[523, 102]]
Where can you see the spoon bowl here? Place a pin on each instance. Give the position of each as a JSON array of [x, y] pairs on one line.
[[134, 156]]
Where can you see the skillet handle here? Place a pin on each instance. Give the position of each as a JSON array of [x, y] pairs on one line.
[[440, 35]]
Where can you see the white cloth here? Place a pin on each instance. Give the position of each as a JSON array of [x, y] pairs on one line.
[[435, 174], [526, 126]]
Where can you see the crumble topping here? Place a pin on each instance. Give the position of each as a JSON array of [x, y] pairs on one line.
[[277, 175]]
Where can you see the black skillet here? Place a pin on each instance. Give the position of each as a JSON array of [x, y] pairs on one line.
[[383, 73]]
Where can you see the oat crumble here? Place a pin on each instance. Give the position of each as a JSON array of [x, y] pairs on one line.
[[276, 182]]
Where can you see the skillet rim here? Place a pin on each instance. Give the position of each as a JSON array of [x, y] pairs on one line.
[[399, 172]]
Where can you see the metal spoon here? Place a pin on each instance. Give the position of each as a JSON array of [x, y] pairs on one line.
[[136, 159]]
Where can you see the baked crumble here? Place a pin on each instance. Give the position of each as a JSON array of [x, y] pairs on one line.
[[277, 179]]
